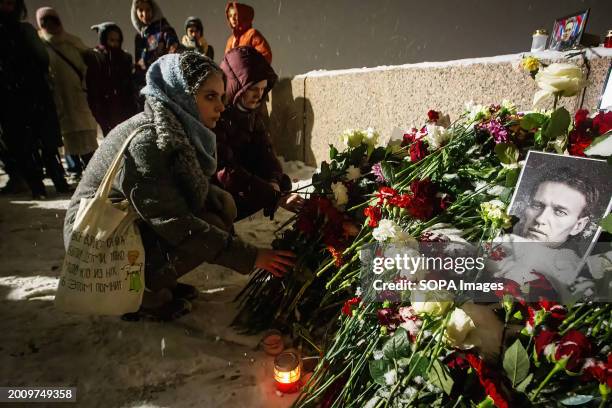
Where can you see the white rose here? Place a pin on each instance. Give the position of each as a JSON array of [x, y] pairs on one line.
[[559, 78], [370, 137], [431, 303], [475, 326], [352, 138], [353, 173], [386, 229], [437, 136], [340, 193]]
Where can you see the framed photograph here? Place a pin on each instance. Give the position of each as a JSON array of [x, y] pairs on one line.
[[559, 201], [567, 31], [605, 102]]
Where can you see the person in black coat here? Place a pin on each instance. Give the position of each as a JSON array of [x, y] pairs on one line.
[[110, 91], [30, 127]]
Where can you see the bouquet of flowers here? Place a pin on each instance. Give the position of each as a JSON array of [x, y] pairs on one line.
[[444, 350]]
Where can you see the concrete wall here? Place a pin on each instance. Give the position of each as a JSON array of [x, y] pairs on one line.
[[333, 34], [310, 111]]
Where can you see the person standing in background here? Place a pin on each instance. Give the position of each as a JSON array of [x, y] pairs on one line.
[[247, 166], [194, 37], [240, 20], [28, 118], [110, 91], [68, 69], [155, 37]]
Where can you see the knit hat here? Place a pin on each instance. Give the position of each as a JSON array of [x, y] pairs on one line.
[[196, 69]]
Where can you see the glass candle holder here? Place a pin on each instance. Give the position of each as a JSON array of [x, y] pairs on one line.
[[538, 42], [608, 40], [287, 372]]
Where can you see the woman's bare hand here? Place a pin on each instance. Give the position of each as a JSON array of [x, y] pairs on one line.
[[292, 202], [275, 261]]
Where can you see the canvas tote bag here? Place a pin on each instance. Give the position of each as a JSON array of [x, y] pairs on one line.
[[103, 270]]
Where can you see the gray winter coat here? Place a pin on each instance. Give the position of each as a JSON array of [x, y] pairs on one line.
[[163, 180]]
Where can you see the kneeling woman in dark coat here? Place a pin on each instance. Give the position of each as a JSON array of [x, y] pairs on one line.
[[184, 220], [247, 166]]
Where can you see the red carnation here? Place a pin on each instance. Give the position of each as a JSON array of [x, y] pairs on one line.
[[347, 309], [385, 193], [576, 347], [543, 339], [599, 370], [602, 122], [433, 115], [374, 214], [418, 151], [487, 379], [401, 201]]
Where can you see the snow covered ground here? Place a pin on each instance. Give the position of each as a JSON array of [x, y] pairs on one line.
[[197, 361]]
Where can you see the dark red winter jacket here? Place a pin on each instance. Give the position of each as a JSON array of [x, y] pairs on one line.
[[246, 162]]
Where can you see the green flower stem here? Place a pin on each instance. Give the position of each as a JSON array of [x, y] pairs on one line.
[[585, 317], [604, 391], [559, 366]]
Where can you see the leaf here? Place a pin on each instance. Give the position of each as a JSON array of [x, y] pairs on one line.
[[533, 120], [387, 171], [516, 363], [397, 346], [512, 177], [378, 368], [419, 365], [559, 124], [537, 138], [525, 383], [378, 155], [333, 152], [507, 153], [606, 223], [577, 400], [440, 377]]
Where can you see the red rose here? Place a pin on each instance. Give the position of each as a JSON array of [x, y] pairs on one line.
[[581, 119], [576, 347], [543, 339], [374, 214], [577, 146], [433, 116], [602, 122], [347, 309], [418, 151], [457, 362]]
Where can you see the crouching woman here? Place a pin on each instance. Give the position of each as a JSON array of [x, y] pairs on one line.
[[184, 220]]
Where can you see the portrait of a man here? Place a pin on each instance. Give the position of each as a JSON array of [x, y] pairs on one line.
[[567, 31], [559, 201]]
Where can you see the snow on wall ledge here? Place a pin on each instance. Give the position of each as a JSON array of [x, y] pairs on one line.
[[309, 111]]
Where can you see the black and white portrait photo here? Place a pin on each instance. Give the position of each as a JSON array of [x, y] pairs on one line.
[[559, 201]]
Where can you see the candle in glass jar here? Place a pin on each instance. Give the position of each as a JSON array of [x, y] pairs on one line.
[[287, 371], [608, 40], [539, 40]]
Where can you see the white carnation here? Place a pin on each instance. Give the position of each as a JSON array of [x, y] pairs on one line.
[[340, 193], [353, 173], [386, 230], [437, 136]]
